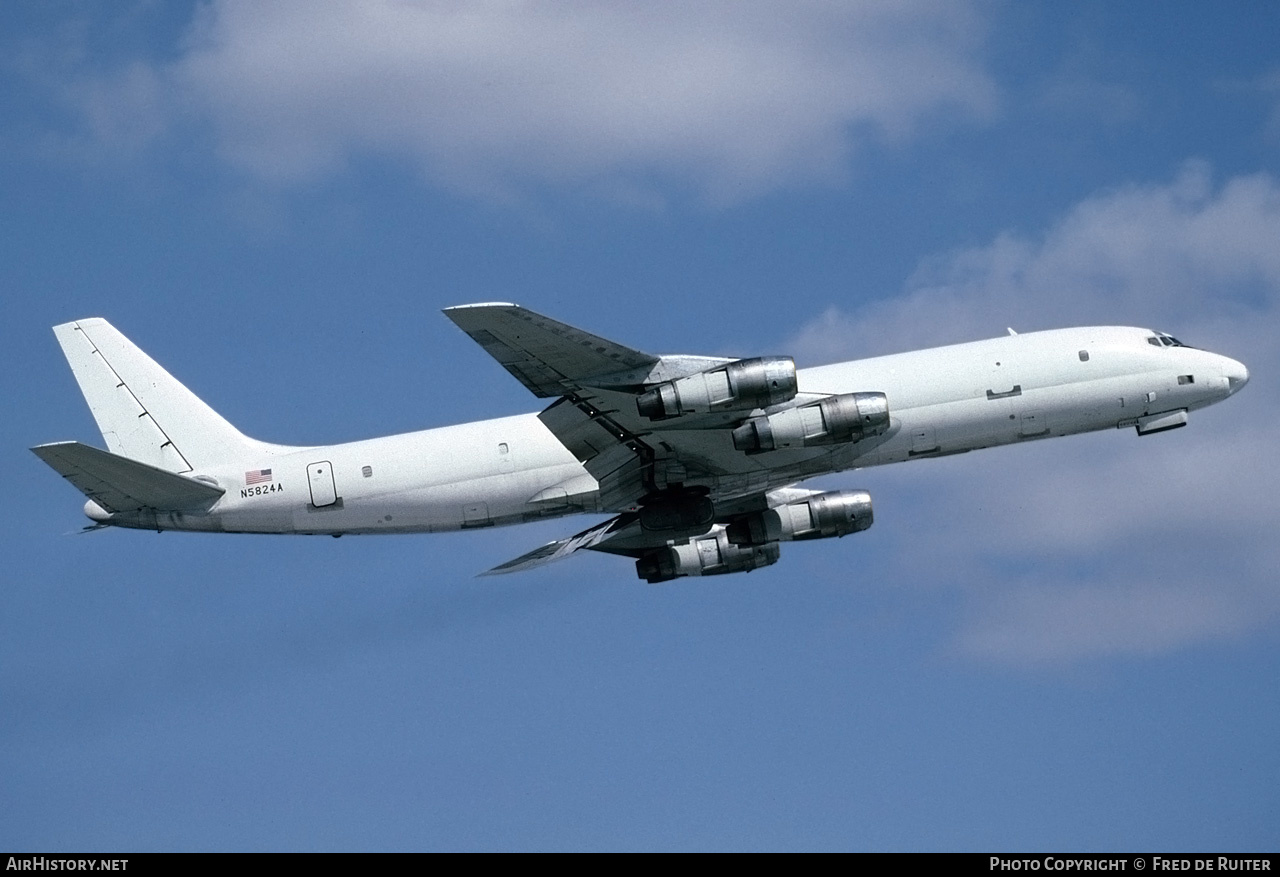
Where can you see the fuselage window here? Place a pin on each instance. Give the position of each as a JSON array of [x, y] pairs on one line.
[[1186, 379], [1084, 356], [366, 471]]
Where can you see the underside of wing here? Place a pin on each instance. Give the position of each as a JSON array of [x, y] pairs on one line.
[[547, 356], [562, 548]]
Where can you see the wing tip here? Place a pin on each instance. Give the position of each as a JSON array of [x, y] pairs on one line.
[[42, 450], [481, 304]]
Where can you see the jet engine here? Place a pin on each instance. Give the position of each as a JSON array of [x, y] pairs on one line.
[[835, 513], [738, 386], [710, 555], [847, 417]]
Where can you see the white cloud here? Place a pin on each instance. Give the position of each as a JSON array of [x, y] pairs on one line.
[[1182, 255], [1107, 544], [729, 98]]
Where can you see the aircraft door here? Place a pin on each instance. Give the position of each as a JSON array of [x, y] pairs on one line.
[[320, 477], [1136, 404]]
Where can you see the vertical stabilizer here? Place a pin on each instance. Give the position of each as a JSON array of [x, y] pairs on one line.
[[143, 412]]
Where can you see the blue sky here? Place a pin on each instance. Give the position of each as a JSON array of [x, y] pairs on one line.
[[1063, 645]]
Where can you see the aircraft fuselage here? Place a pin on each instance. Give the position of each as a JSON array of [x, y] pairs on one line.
[[942, 401]]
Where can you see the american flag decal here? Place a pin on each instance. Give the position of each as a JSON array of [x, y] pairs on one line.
[[257, 476]]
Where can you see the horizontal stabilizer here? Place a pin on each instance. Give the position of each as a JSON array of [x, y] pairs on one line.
[[119, 484], [561, 548], [548, 357]]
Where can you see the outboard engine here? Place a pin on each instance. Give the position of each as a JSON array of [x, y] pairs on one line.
[[738, 386]]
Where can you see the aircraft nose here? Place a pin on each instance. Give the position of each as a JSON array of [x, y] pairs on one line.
[[1235, 373]]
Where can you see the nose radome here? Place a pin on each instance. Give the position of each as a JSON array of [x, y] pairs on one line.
[[1235, 373]]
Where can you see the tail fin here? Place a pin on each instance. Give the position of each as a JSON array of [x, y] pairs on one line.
[[143, 412]]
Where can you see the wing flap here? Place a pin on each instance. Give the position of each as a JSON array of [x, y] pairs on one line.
[[119, 484]]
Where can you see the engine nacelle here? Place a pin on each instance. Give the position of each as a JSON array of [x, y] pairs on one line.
[[96, 513], [848, 417], [709, 555], [835, 513], [738, 386]]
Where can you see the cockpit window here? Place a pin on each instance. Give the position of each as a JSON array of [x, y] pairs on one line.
[[1163, 340]]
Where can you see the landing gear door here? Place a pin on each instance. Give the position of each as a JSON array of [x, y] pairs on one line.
[[320, 477]]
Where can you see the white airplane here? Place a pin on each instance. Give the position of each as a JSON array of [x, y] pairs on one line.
[[697, 457]]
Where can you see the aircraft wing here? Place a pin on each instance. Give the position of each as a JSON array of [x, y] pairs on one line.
[[597, 418], [623, 535], [562, 548], [548, 357]]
